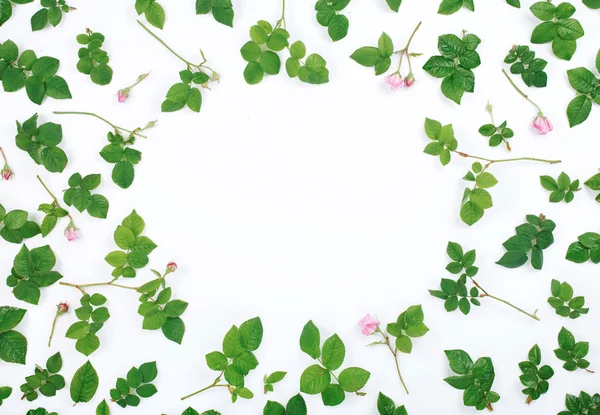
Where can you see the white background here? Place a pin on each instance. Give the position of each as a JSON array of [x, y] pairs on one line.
[[297, 202]]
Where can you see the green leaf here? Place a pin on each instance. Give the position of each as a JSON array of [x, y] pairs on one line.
[[333, 395], [101, 74], [10, 317], [216, 361], [13, 347], [27, 291], [296, 406], [251, 332], [232, 343], [98, 207], [57, 88], [223, 15], [155, 15], [273, 408], [36, 90], [334, 352], [367, 56], [54, 363], [314, 380], [470, 213], [385, 406], [175, 308], [253, 73], [543, 10], [251, 51], [566, 339], [310, 340], [174, 329], [353, 379], [338, 27], [54, 159], [123, 174], [513, 259], [459, 361], [454, 86], [448, 7], [579, 110], [39, 20], [385, 45], [103, 408], [84, 383], [440, 66]]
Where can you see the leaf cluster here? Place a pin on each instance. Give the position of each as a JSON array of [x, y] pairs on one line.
[[53, 213], [378, 57], [78, 194], [571, 352], [262, 57], [563, 301], [558, 27], [51, 12], [13, 345], [236, 360], [184, 94], [31, 271], [92, 315], [222, 10], [295, 406], [316, 379], [524, 62], [45, 381], [533, 236], [533, 378], [476, 379], [6, 9], [455, 294], [587, 86], [128, 237], [386, 406], [443, 141], [41, 143], [5, 392], [562, 188], [93, 61], [137, 385], [273, 378], [120, 153], [408, 325], [15, 226], [497, 134], [455, 65], [84, 383], [37, 75], [40, 411], [477, 199], [587, 247], [152, 11], [584, 404], [328, 16], [448, 7]]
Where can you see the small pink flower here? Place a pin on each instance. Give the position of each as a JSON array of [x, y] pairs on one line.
[[71, 232], [7, 173], [395, 81], [368, 325], [542, 125], [122, 95], [409, 80], [171, 267], [62, 308]]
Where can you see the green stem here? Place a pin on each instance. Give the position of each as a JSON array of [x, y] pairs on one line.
[[486, 294], [4, 157], [52, 330], [490, 161], [215, 384], [56, 203], [540, 113], [91, 114], [395, 354], [81, 287], [282, 18], [162, 42]]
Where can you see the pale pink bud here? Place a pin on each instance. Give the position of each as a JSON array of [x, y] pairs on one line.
[[171, 267], [368, 325], [409, 80], [542, 125], [395, 81], [122, 95], [7, 173], [62, 308], [71, 232]]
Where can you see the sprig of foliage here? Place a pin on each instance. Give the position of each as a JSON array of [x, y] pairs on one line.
[[571, 352], [463, 263], [31, 271], [459, 57], [524, 62], [92, 315], [558, 27], [295, 406], [53, 212], [13, 345], [93, 61], [563, 301], [222, 10], [386, 406], [79, 195], [533, 236], [6, 9], [137, 385], [587, 86], [45, 381], [16, 226], [533, 378], [593, 183], [328, 16], [477, 199], [37, 75], [262, 57], [192, 411], [448, 7], [152, 11], [236, 360], [183, 93], [51, 12], [274, 377], [40, 411], [497, 134], [475, 379], [84, 383], [41, 143], [316, 379], [562, 188], [128, 237], [5, 392], [584, 404], [587, 247], [380, 57]]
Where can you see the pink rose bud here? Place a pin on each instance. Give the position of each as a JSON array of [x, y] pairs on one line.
[[62, 308], [7, 173], [122, 95], [409, 80], [71, 232], [171, 267], [395, 81], [368, 325], [542, 125]]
